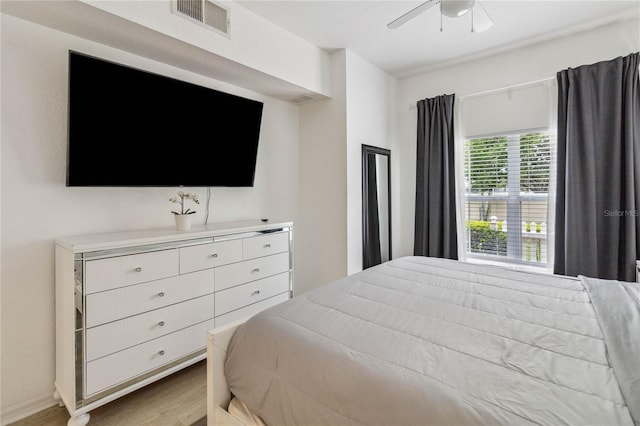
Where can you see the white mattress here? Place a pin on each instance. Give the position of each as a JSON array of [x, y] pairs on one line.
[[429, 341]]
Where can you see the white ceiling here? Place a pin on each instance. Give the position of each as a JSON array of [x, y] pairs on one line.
[[419, 45]]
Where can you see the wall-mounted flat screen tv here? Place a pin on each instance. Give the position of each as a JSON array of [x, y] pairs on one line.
[[129, 127]]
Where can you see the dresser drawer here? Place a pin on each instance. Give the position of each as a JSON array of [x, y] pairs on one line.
[[250, 310], [250, 270], [123, 302], [265, 245], [114, 272], [121, 366], [246, 294], [116, 336], [210, 255]]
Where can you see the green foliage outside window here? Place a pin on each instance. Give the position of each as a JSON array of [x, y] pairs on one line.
[[486, 163], [483, 239], [535, 157]]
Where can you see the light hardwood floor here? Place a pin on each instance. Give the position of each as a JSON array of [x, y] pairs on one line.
[[176, 400]]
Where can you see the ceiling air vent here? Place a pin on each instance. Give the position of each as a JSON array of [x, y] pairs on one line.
[[205, 13], [302, 99]]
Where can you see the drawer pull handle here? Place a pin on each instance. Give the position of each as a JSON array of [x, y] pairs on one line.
[[214, 255], [267, 246], [256, 270], [161, 294], [255, 293], [161, 353], [161, 323], [138, 269]]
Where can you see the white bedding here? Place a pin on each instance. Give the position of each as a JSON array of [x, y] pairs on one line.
[[429, 341]]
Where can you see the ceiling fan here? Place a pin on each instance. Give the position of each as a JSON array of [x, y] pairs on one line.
[[480, 20]]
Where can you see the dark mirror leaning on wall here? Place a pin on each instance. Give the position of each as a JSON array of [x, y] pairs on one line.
[[376, 205]]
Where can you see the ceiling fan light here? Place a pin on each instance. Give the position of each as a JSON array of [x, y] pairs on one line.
[[456, 8]]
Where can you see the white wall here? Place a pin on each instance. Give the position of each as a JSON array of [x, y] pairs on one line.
[[253, 40], [308, 170], [371, 121], [361, 111], [533, 63], [37, 207], [321, 233]]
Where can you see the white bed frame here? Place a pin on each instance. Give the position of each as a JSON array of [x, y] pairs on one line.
[[218, 394]]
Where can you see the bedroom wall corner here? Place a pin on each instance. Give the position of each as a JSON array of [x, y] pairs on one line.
[[361, 110], [519, 66], [254, 41], [37, 208], [321, 231], [371, 110]]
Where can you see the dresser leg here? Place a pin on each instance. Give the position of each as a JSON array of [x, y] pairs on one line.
[[79, 420], [56, 396]]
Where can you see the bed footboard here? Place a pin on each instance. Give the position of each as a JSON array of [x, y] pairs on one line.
[[218, 394]]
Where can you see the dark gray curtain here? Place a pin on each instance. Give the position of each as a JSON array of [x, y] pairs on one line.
[[435, 221], [372, 254], [598, 186]]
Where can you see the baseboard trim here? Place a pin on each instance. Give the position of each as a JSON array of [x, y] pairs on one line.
[[27, 408]]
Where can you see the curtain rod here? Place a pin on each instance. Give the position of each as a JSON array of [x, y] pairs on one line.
[[501, 89], [514, 86]]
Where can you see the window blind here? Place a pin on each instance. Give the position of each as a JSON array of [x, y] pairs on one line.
[[508, 149], [507, 181]]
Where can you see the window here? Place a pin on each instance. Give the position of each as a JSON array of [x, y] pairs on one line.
[[506, 201]]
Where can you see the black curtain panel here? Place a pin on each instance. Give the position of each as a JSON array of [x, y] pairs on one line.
[[435, 221], [598, 182]]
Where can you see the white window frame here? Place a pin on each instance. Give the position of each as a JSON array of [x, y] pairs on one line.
[[514, 258]]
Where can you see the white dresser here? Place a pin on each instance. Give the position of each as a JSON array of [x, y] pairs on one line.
[[133, 307]]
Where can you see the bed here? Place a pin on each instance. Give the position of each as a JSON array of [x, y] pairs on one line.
[[421, 340]]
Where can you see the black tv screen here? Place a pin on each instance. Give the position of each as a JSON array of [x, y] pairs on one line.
[[129, 127]]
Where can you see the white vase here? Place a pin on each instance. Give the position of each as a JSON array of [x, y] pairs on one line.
[[183, 222]]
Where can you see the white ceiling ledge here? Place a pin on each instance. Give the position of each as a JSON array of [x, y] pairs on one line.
[[256, 54]]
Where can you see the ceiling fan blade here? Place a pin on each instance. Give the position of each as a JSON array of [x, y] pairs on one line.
[[481, 20], [412, 14]]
